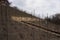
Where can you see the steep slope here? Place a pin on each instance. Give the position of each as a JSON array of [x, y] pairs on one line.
[[34, 20], [11, 27]]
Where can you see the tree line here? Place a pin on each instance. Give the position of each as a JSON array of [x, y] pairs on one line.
[[54, 19]]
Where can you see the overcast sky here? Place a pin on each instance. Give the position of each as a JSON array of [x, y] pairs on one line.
[[41, 7]]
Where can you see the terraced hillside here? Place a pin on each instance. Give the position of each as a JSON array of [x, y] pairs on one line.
[[12, 26]]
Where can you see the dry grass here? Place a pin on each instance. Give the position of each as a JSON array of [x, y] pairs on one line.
[[11, 29]]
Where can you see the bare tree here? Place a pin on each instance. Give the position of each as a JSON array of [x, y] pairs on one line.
[[55, 19]]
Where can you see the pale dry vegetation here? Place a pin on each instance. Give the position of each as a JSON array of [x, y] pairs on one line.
[[11, 29]]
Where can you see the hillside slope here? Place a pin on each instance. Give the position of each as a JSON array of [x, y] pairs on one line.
[[34, 20], [11, 27]]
